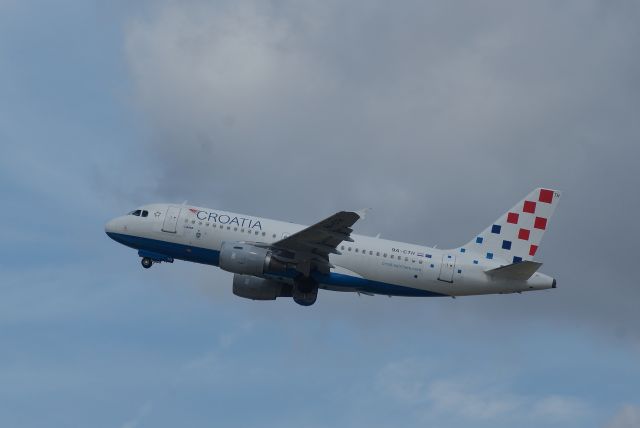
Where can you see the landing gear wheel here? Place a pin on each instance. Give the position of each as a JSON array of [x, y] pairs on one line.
[[305, 291], [305, 299], [146, 262]]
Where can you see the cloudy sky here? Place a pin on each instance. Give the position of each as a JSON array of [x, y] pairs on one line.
[[438, 115]]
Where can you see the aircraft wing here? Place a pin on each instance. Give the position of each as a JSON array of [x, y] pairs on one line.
[[314, 244]]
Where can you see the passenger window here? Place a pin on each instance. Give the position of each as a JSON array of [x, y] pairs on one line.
[[356, 250], [384, 255], [377, 253], [242, 230], [145, 213], [263, 233], [392, 256], [342, 248], [349, 248], [235, 229], [370, 253], [274, 236]]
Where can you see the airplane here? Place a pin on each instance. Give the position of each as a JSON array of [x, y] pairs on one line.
[[271, 259]]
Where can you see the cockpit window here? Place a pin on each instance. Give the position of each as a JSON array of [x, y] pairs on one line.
[[145, 213], [136, 212]]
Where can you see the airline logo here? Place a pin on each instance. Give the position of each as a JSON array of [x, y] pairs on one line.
[[517, 235], [246, 222], [545, 197]]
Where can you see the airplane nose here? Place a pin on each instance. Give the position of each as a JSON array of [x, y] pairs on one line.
[[113, 227]]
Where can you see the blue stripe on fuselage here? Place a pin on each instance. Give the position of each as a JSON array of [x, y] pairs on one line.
[[171, 249], [370, 286], [212, 257]]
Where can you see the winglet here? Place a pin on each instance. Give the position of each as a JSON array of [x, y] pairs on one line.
[[521, 271], [363, 213]]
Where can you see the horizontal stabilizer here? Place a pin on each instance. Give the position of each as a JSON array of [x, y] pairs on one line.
[[517, 271]]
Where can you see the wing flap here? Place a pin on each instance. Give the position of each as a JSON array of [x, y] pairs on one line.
[[323, 236], [313, 245]]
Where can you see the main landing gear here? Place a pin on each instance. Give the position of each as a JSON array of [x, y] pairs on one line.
[[146, 262], [305, 291]]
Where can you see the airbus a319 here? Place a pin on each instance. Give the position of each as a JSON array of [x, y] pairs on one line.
[[272, 259]]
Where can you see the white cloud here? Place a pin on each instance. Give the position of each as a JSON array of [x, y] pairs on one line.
[[452, 397], [213, 364], [627, 417], [143, 411], [559, 407], [404, 381], [471, 398]]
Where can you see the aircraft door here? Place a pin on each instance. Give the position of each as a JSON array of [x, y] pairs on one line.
[[447, 267], [171, 219]]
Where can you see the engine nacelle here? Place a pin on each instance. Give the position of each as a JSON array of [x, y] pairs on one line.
[[247, 259], [251, 287]]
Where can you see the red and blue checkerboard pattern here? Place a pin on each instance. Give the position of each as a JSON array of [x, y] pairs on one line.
[[516, 236]]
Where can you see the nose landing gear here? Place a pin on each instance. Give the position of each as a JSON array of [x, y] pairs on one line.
[[149, 258], [146, 262]]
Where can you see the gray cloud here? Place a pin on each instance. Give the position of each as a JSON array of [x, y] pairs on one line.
[[439, 116]]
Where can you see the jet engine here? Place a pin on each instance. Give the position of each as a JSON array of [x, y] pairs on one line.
[[251, 287], [247, 259]]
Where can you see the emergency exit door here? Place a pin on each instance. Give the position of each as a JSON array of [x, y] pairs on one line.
[[171, 219], [447, 267]]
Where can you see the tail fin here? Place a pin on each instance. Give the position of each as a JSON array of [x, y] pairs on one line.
[[517, 234]]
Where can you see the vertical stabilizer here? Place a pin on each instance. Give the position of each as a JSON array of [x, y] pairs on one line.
[[517, 234]]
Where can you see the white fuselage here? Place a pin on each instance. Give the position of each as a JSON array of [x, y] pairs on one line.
[[368, 264]]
